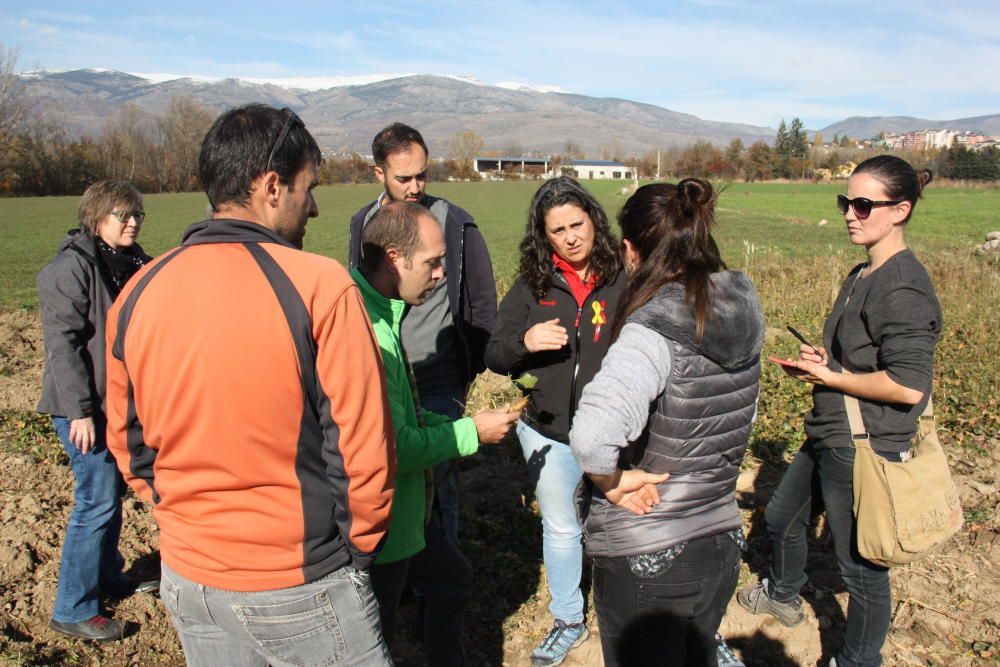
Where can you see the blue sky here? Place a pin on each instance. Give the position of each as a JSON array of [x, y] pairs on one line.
[[752, 62]]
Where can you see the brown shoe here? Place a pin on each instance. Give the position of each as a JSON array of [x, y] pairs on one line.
[[99, 628]]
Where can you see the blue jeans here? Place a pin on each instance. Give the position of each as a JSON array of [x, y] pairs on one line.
[[670, 618], [330, 621], [449, 404], [90, 557], [556, 475], [829, 472]]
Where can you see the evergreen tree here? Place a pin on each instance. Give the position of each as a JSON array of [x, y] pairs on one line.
[[798, 142], [782, 152], [781, 147]]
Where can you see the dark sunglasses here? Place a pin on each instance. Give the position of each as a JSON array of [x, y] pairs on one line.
[[862, 205], [291, 120], [125, 216]]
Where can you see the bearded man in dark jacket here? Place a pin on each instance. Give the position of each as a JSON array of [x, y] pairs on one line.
[[445, 337]]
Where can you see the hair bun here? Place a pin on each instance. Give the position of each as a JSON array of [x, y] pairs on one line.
[[925, 176], [693, 193]]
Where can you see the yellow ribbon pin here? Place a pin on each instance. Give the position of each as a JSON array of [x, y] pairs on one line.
[[599, 317]]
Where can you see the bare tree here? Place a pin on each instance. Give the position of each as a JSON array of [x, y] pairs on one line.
[[573, 151], [463, 148], [512, 148], [125, 146], [14, 104], [612, 152], [182, 131]]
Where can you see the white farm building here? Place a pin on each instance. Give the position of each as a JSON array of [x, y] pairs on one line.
[[593, 169], [537, 167]]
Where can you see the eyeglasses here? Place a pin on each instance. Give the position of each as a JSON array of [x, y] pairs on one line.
[[125, 216], [291, 120], [862, 205]]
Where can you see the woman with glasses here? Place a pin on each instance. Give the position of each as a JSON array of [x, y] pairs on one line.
[[661, 431], [555, 322], [75, 290], [878, 345]]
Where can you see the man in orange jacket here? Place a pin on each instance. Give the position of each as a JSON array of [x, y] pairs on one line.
[[246, 399]]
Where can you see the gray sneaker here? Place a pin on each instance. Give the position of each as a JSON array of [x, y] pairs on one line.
[[724, 655], [562, 639], [754, 598]]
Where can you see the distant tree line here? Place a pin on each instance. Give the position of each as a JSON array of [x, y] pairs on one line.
[[792, 156], [959, 162], [160, 153]]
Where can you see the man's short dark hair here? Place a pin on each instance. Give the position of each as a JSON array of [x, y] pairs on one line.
[[395, 225], [394, 139], [240, 144]]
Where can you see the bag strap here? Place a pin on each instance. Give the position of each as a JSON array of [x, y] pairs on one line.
[[859, 434], [851, 403], [857, 423]]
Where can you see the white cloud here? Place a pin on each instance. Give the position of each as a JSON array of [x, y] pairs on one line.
[[39, 29], [321, 41], [61, 17]]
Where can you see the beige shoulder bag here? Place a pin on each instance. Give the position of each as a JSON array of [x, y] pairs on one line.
[[903, 509]]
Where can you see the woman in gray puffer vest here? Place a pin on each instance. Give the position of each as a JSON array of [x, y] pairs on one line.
[[661, 431]]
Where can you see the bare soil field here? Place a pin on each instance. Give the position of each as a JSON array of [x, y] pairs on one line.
[[947, 608]]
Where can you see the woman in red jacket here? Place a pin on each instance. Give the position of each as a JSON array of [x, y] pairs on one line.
[[555, 323]]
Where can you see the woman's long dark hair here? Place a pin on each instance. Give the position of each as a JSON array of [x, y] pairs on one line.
[[670, 228], [536, 253]]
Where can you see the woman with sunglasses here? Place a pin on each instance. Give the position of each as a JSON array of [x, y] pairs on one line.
[[75, 291], [881, 333], [661, 431], [555, 322]]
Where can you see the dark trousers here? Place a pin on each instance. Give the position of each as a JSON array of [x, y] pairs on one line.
[[444, 577], [829, 472], [670, 619]]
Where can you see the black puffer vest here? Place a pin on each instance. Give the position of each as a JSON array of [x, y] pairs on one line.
[[698, 427]]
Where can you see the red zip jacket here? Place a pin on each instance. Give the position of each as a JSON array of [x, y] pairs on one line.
[[246, 399]]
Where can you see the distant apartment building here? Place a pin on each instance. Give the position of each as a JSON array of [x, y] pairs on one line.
[[918, 140], [972, 139], [934, 139]]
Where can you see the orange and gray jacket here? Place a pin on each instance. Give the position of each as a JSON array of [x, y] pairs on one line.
[[246, 399]]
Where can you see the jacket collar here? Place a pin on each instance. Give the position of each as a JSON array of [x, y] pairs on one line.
[[734, 331], [80, 241], [380, 308], [425, 200], [225, 230]]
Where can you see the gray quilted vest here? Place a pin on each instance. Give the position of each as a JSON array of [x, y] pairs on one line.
[[699, 426]]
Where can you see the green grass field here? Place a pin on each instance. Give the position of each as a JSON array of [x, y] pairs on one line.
[[777, 219], [770, 230]]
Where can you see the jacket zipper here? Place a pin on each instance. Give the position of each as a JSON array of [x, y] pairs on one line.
[[579, 354]]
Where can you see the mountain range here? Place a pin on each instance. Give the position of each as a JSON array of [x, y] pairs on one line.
[[345, 118], [863, 127]]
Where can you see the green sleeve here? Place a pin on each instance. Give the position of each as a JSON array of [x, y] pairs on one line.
[[440, 440]]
